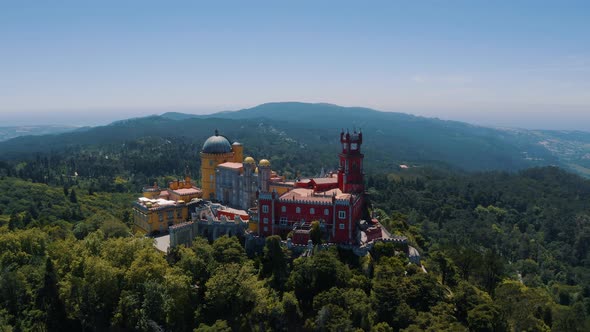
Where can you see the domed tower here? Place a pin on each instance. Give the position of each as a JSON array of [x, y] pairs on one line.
[[264, 173], [249, 165], [350, 172], [249, 183], [216, 150]]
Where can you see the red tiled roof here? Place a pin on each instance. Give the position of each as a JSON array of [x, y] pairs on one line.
[[227, 209], [231, 165], [325, 180], [187, 191], [304, 194]]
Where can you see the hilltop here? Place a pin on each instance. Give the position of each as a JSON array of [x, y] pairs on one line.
[[309, 131]]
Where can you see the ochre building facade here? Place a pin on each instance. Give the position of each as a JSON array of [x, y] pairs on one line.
[[217, 150]]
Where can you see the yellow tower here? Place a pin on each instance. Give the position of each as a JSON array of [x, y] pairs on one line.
[[238, 150], [216, 150]]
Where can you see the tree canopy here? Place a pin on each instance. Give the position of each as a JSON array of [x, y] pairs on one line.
[[500, 252]]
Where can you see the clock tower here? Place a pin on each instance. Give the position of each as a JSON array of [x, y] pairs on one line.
[[350, 171]]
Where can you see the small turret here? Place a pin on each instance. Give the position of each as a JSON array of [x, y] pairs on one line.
[[249, 165], [264, 174], [238, 150], [151, 192]]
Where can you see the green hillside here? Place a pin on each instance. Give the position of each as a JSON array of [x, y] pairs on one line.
[[311, 131], [402, 137]]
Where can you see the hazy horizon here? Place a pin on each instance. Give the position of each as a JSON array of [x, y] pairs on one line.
[[98, 117], [523, 64]]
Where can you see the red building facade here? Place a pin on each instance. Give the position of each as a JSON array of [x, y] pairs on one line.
[[336, 201]]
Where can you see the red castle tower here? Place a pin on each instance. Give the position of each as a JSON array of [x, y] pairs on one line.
[[336, 201], [350, 171]]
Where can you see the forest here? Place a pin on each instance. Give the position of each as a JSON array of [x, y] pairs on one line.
[[501, 251]]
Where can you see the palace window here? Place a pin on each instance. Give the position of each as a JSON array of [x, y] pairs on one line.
[[265, 209], [265, 220], [283, 220], [283, 209], [326, 212], [342, 214], [179, 214], [265, 229], [312, 211], [161, 216], [211, 177], [342, 226], [170, 214], [298, 210]]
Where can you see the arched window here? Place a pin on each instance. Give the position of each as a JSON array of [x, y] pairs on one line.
[[283, 208], [326, 212], [298, 210], [311, 211]]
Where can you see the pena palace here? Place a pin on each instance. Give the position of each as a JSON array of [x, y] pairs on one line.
[[239, 196]]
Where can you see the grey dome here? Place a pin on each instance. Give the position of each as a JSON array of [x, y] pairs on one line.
[[217, 144]]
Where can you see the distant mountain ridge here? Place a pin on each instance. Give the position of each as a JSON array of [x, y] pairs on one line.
[[9, 132], [390, 138]]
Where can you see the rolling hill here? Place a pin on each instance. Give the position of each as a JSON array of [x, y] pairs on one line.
[[294, 134]]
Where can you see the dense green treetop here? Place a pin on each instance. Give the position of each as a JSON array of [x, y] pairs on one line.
[[503, 252]]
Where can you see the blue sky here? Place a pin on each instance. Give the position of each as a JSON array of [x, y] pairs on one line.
[[506, 63]]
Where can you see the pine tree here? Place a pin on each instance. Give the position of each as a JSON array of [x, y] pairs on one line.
[[48, 300], [15, 221], [316, 233], [73, 197], [34, 211], [27, 218]]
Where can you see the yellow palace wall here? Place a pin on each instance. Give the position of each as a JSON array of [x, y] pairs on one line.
[[157, 220], [210, 161]]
